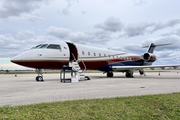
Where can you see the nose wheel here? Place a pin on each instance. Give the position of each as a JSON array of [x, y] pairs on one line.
[[39, 78]]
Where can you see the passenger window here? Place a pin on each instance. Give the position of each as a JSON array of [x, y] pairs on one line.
[[53, 46], [82, 52], [100, 54], [94, 54], [89, 53]]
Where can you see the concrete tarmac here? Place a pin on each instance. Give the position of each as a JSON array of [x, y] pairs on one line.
[[23, 89]]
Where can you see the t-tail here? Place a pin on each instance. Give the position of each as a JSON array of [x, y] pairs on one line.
[[152, 46], [148, 57]]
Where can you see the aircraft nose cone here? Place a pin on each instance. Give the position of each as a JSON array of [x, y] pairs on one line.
[[15, 59], [19, 58]]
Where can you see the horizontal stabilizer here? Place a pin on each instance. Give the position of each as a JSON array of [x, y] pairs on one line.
[[158, 45], [152, 46]]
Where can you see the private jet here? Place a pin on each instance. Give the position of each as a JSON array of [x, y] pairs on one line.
[[57, 55]]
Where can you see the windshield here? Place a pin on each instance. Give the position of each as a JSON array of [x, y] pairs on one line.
[[54, 46], [50, 46], [41, 46]]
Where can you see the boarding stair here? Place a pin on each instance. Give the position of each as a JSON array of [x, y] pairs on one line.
[[77, 71]]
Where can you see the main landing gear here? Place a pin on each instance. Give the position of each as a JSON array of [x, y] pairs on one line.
[[39, 78], [110, 74], [141, 72], [129, 74]]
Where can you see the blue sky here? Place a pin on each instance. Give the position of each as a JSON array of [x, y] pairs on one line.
[[124, 25]]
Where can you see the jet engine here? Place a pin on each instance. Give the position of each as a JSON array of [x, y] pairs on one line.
[[147, 56]]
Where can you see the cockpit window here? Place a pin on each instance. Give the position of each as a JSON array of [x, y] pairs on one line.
[[50, 46], [41, 46], [36, 46], [54, 46]]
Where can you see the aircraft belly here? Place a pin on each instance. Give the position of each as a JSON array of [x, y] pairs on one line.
[[105, 66], [43, 64]]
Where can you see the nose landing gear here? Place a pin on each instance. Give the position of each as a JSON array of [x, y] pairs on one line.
[[39, 78]]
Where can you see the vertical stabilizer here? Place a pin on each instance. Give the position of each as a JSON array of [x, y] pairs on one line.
[[151, 48]]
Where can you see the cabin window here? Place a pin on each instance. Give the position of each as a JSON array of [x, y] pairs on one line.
[[109, 56], [82, 52], [104, 55], [89, 53], [99, 54], [94, 54], [53, 46]]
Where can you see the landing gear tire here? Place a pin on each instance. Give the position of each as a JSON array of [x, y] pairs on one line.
[[39, 79], [141, 72], [129, 74], [87, 78], [110, 74]]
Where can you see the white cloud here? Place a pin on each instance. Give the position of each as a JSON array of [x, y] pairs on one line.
[[66, 10], [59, 32], [174, 40], [144, 28], [124, 25], [137, 29], [23, 10], [25, 34], [110, 24], [26, 17], [139, 2], [11, 8]]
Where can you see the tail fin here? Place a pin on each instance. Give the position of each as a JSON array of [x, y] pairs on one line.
[[152, 46]]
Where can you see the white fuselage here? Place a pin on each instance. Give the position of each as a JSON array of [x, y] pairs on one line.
[[54, 56]]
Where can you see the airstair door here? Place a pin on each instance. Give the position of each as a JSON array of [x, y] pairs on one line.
[[73, 52]]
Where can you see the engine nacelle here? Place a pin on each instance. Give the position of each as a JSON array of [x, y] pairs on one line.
[[147, 56]]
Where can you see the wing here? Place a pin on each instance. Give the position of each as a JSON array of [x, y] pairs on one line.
[[122, 68]]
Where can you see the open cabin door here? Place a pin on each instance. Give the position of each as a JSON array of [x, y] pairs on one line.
[[73, 51]]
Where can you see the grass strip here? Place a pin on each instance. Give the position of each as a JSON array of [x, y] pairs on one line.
[[148, 107]]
